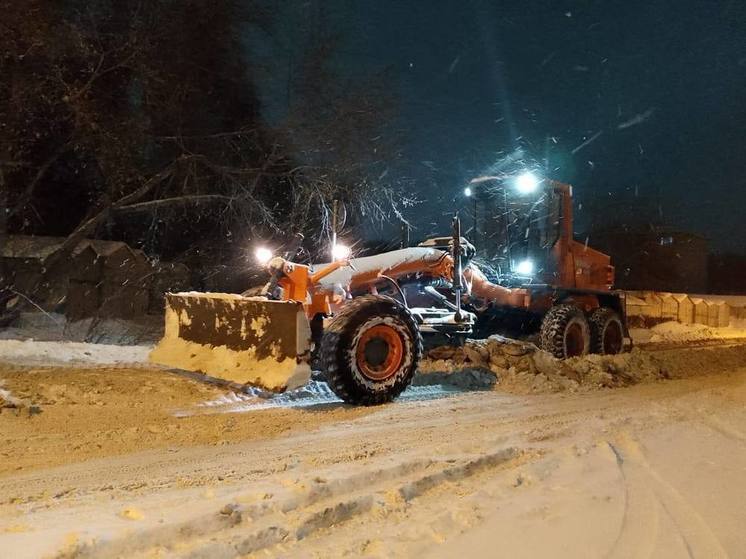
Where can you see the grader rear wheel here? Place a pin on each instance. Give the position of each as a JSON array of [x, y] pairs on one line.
[[607, 332], [565, 332], [370, 350]]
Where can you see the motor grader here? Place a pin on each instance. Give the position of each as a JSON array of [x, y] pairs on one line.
[[364, 319]]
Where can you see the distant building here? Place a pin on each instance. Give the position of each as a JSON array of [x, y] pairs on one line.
[[655, 257], [727, 274]]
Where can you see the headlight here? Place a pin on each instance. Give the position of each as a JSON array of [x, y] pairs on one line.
[[525, 268], [263, 255], [526, 183], [340, 252]]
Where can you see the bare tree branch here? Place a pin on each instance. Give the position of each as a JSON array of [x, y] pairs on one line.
[[98, 73], [28, 193], [187, 199], [90, 224], [8, 163], [247, 132]]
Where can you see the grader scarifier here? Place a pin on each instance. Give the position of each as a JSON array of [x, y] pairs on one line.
[[363, 320]]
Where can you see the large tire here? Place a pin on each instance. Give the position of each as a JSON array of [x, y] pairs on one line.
[[607, 332], [565, 332], [370, 350]]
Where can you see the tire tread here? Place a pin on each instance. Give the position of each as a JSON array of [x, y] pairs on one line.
[[553, 327], [597, 320], [337, 374]]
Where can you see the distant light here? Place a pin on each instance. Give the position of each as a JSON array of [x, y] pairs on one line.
[[467, 192], [340, 252], [525, 268], [526, 183], [263, 255]]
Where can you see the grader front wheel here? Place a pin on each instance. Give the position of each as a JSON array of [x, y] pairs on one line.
[[370, 350]]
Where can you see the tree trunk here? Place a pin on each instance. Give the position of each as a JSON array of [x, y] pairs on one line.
[[28, 193], [3, 207]]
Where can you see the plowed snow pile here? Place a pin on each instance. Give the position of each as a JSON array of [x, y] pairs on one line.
[[522, 368], [676, 332], [54, 327], [33, 352]]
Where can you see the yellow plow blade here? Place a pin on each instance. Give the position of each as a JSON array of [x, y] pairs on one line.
[[247, 340]]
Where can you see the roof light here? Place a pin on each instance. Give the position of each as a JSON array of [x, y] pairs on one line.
[[526, 183]]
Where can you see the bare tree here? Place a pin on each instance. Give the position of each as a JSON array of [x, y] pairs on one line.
[[142, 119]]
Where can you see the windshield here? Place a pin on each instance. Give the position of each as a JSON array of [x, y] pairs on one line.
[[511, 227]]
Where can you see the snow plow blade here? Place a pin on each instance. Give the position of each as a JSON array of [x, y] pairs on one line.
[[247, 340]]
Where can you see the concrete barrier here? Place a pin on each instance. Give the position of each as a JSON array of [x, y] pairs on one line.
[[635, 305], [713, 313], [738, 313], [701, 310], [723, 314], [686, 308], [669, 306], [654, 307]]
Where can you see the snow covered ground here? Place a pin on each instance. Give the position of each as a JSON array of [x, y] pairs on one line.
[[105, 469], [34, 352], [676, 332], [101, 458]]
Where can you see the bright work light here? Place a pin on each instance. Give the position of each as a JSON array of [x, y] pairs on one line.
[[526, 183], [263, 255], [525, 268], [340, 252]]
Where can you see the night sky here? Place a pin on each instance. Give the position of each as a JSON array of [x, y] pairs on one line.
[[659, 89]]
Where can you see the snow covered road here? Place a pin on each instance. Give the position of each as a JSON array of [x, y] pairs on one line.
[[33, 352], [103, 459], [652, 470]]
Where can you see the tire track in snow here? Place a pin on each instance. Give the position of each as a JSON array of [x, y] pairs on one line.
[[246, 525], [648, 493]]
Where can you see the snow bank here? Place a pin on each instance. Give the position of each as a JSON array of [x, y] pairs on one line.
[[32, 352], [512, 366], [508, 365], [55, 328], [676, 332]]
